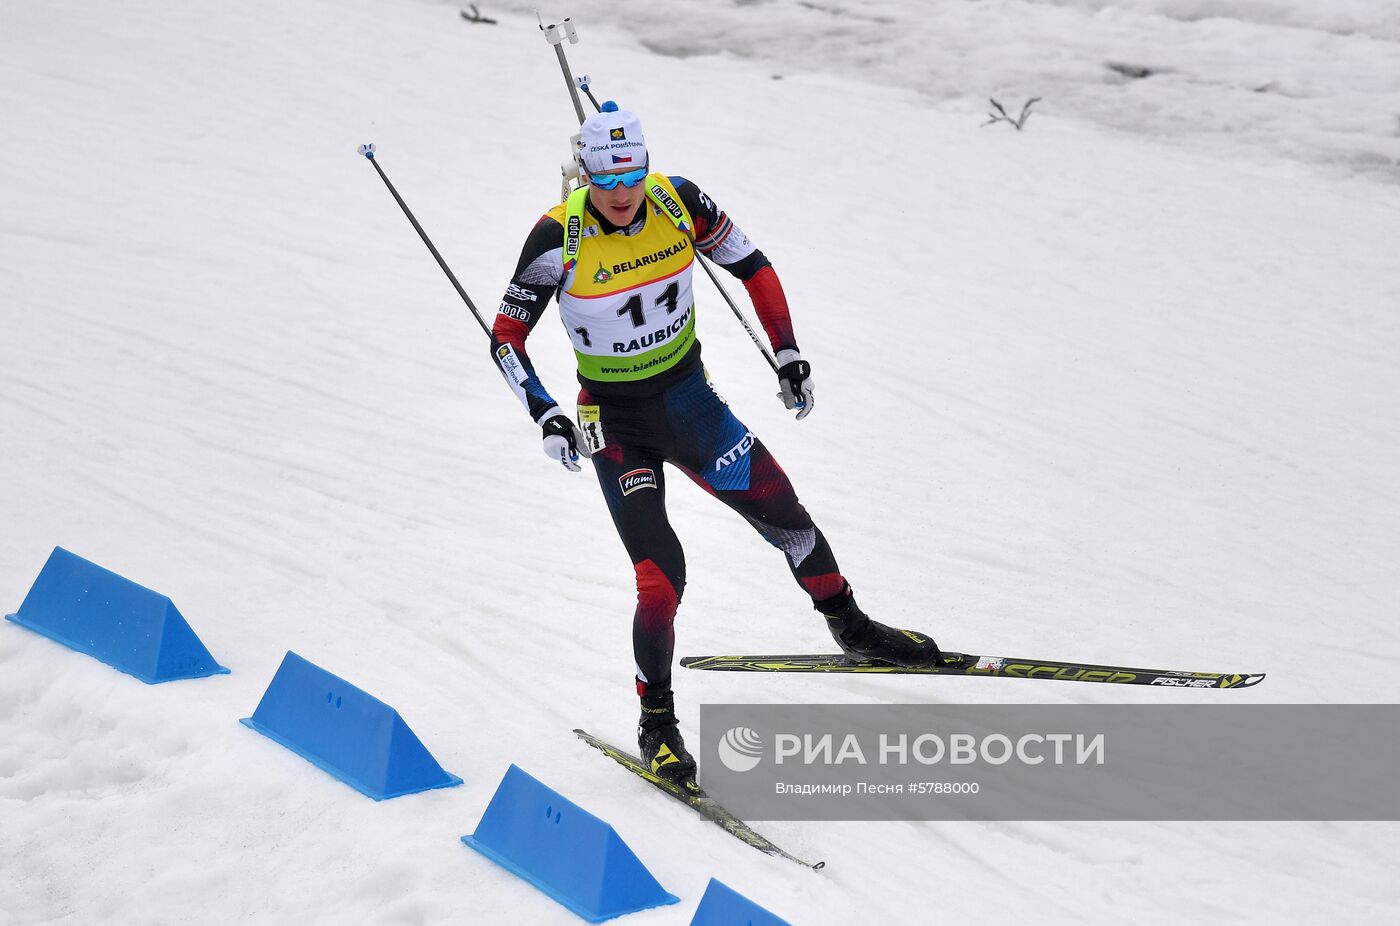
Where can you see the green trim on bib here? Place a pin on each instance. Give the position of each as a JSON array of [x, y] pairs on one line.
[[605, 369], [660, 192], [573, 225]]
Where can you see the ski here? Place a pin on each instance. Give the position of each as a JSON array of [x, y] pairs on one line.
[[983, 666], [696, 800]]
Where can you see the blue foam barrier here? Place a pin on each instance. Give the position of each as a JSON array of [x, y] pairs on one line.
[[112, 619], [724, 906], [346, 732], [535, 832]]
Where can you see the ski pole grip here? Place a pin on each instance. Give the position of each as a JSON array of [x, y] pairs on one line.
[[368, 150], [555, 33]]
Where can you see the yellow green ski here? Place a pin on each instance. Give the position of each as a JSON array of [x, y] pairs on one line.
[[696, 799], [981, 666]]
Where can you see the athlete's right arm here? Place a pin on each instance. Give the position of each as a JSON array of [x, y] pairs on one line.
[[538, 273]]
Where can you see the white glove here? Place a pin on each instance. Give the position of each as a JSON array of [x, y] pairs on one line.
[[562, 441], [795, 380]]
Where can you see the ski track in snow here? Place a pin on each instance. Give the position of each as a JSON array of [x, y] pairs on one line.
[[1121, 387]]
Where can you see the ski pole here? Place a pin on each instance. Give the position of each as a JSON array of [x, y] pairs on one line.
[[368, 152], [556, 38], [762, 348], [583, 85], [555, 33]]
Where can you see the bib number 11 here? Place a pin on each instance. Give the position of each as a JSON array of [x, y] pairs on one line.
[[633, 306]]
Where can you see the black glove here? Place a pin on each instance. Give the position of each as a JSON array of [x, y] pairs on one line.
[[795, 380], [562, 441]]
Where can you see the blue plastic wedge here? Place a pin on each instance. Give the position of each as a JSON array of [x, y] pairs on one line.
[[114, 620], [724, 906], [348, 733], [535, 832]]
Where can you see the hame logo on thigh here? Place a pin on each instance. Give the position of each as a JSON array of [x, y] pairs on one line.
[[636, 480]]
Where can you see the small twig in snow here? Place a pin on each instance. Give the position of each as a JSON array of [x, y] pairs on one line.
[[1001, 115], [476, 17]]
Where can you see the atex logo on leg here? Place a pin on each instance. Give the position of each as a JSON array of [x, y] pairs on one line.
[[734, 453]]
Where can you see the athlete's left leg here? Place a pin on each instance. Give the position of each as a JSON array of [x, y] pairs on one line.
[[719, 453], [770, 504], [715, 449]]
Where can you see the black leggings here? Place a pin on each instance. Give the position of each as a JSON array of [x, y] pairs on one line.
[[691, 428]]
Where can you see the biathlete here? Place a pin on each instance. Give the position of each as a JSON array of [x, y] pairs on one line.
[[618, 254]]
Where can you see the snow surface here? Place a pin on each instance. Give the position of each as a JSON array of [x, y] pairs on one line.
[[1120, 387]]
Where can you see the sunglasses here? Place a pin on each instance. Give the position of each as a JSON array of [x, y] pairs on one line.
[[610, 181]]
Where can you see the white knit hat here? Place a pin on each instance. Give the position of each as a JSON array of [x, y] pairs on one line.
[[610, 139]]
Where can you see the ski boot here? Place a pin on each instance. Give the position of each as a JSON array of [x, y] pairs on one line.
[[861, 638], [660, 744]]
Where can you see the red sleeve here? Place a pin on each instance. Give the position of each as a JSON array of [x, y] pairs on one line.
[[512, 331], [771, 305]]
